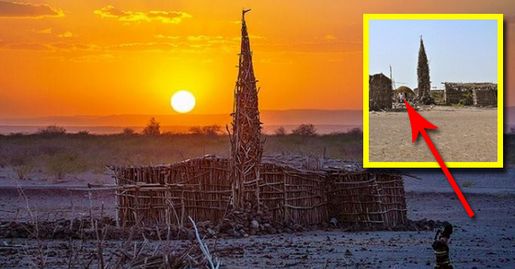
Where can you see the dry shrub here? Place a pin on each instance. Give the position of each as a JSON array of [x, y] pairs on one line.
[[280, 131], [52, 130], [305, 130], [152, 128], [61, 164]]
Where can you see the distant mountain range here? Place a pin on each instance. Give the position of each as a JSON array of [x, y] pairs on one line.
[[273, 117], [325, 120]]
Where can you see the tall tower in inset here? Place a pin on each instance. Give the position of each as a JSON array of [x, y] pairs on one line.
[[424, 82], [246, 143]]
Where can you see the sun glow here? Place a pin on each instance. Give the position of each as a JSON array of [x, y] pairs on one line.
[[183, 101]]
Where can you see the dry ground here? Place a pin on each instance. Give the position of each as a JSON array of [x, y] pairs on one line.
[[464, 135], [487, 241]]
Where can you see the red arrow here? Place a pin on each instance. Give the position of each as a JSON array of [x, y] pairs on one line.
[[419, 126]]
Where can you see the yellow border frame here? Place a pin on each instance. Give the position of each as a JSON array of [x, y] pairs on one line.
[[500, 99]]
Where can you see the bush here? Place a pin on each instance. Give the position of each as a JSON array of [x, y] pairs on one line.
[[152, 128], [305, 130], [22, 171], [280, 131], [196, 130], [64, 163], [21, 166], [211, 130], [52, 130], [128, 131], [355, 132], [83, 133]]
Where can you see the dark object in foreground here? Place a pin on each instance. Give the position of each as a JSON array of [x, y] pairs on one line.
[[441, 248]]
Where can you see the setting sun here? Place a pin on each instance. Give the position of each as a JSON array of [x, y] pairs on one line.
[[183, 101]]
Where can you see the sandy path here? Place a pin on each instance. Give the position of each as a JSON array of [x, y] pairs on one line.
[[463, 135]]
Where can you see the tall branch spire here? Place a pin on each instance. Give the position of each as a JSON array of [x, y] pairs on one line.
[[424, 82], [246, 143]]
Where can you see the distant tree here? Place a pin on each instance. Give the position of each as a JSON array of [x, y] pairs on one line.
[[152, 128], [212, 130], [51, 130], [83, 133], [196, 130], [355, 132], [305, 130], [280, 131], [128, 131]]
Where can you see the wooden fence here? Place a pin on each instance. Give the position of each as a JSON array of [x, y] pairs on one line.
[[201, 188]]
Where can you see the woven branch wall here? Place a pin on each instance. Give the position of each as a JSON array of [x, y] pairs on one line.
[[478, 94], [201, 188], [380, 92]]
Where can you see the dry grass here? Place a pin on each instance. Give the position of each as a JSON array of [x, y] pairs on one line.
[[65, 155]]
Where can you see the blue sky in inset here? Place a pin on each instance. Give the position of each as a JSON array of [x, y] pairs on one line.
[[458, 50]]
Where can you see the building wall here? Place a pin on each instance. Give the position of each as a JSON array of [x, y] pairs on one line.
[[380, 92], [486, 97], [478, 94], [438, 96]]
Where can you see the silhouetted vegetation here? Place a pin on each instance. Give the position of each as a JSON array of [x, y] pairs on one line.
[[152, 128], [52, 130], [280, 131], [128, 131], [211, 130], [83, 133], [305, 130], [60, 156]]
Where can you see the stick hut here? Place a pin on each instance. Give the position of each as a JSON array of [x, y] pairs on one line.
[[287, 188]]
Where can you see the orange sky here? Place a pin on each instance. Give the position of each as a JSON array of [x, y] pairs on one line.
[[128, 57]]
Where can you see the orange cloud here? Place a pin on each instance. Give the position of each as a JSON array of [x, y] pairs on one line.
[[173, 17], [15, 9], [66, 34]]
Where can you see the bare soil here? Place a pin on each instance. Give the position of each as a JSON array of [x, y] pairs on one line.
[[466, 134], [486, 241]]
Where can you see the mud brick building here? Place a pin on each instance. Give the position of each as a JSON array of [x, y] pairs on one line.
[[380, 92], [477, 94]]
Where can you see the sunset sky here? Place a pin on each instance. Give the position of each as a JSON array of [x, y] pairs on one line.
[[61, 57], [450, 60]]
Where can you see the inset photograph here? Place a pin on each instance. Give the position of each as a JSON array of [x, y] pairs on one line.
[[449, 69]]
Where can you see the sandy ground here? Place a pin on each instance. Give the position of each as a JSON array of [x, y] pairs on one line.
[[488, 241], [463, 135]]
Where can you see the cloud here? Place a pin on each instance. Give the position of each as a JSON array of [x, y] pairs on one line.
[[26, 10], [330, 37], [44, 31], [144, 46], [173, 17], [66, 34], [172, 37], [23, 46]]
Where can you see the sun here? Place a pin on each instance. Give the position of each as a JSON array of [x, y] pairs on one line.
[[183, 101]]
